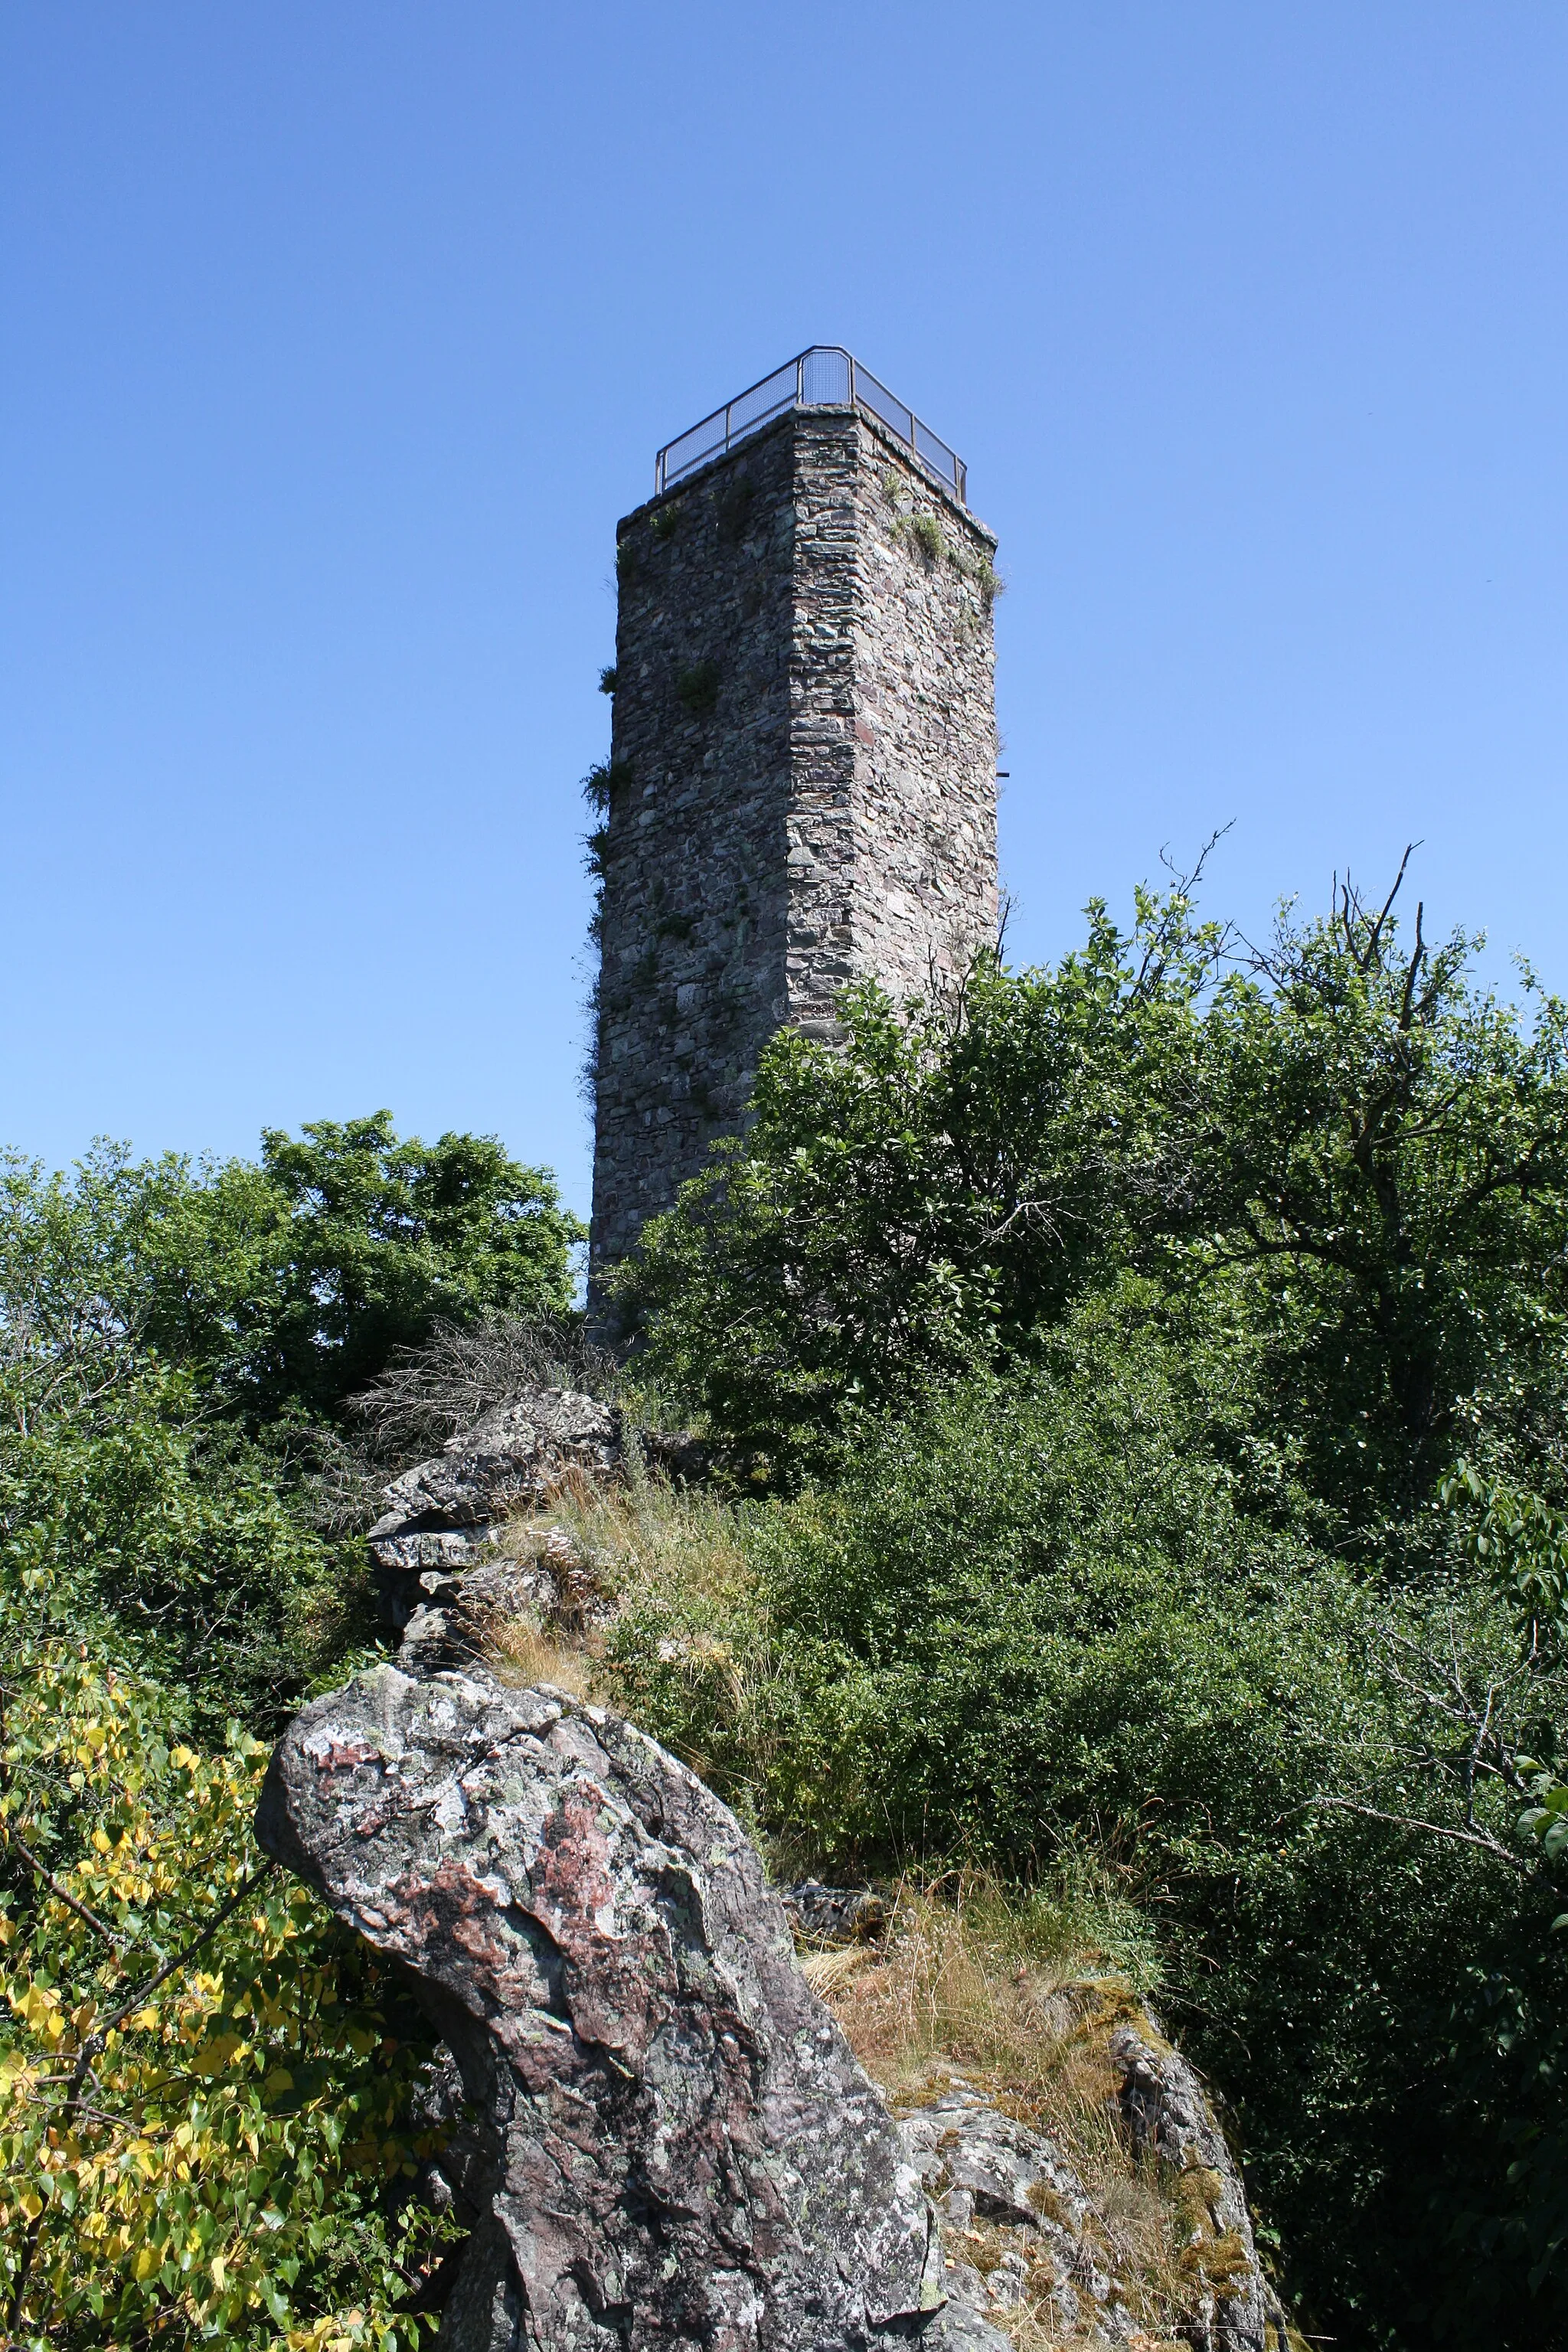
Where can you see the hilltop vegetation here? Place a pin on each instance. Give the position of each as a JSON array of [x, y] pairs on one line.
[[1121, 1331], [206, 2128], [1137, 1393]]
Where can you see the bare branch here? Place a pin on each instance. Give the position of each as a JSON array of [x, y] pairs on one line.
[[1430, 1829]]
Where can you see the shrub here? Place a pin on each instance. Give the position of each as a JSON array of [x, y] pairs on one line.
[[926, 532], [206, 2086], [697, 689], [1083, 1609]]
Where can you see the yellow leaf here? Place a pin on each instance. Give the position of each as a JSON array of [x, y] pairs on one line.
[[146, 2262], [100, 1841], [213, 2056]]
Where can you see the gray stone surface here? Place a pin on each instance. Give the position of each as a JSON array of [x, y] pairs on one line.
[[803, 779], [440, 1515], [677, 2146], [517, 1455], [982, 2165], [831, 1915], [1169, 2116]]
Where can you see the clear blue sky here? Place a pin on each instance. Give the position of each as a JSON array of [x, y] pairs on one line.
[[336, 338]]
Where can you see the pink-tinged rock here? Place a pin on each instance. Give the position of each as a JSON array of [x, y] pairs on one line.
[[681, 2149]]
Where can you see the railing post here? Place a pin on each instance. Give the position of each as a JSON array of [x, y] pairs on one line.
[[850, 357]]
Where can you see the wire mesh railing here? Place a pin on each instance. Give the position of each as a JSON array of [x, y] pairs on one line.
[[826, 376]]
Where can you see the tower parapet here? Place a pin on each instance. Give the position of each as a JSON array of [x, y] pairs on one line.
[[801, 784]]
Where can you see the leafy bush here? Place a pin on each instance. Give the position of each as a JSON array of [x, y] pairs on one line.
[[1085, 1609], [1374, 1149], [129, 1515], [131, 1519], [205, 2126]]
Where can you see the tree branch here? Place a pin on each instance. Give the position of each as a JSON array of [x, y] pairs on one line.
[[63, 1893], [1430, 1829]]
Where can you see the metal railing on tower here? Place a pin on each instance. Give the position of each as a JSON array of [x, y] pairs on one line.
[[825, 376]]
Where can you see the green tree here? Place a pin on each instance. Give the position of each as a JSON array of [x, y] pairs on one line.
[[1384, 1144], [1374, 1146], [381, 1238], [286, 1284]]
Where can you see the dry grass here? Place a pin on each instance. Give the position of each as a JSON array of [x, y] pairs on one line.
[[610, 1548], [646, 1535], [525, 1656], [1018, 1999]]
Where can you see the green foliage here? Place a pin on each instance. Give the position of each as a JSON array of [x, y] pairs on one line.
[[129, 1510], [697, 689], [384, 1238], [602, 781], [926, 532], [665, 521], [288, 1286], [983, 1640], [170, 1338], [1084, 1607], [123, 1508], [1377, 1150], [732, 509], [205, 2122], [982, 572], [608, 678], [935, 1193], [1521, 1543]]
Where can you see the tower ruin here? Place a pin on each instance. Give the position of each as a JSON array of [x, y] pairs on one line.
[[801, 790]]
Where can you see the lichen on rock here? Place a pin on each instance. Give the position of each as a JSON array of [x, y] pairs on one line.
[[678, 2145]]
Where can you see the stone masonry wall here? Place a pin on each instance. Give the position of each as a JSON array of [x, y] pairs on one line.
[[801, 783], [925, 758], [893, 722]]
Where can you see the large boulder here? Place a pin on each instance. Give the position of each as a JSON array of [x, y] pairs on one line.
[[675, 2144]]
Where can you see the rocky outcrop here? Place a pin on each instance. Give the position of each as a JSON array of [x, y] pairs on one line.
[[1157, 2238], [677, 2146], [439, 1570], [1169, 2117], [440, 1514], [1042, 2245], [1023, 2230]]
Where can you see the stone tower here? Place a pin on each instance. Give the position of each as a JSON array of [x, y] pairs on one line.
[[802, 783]]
